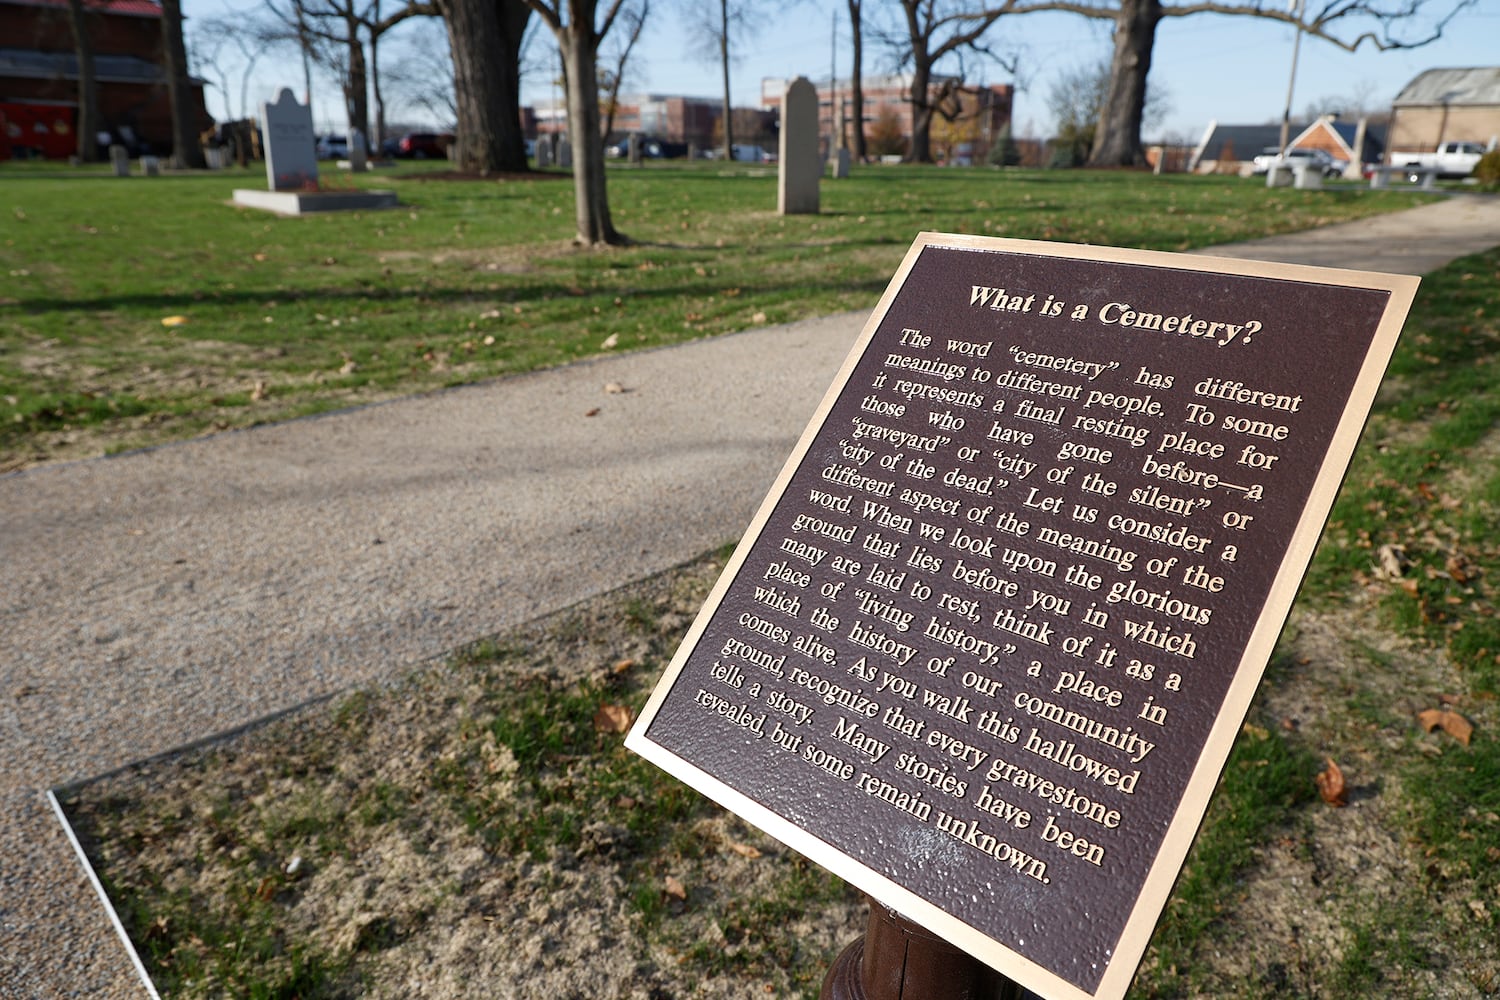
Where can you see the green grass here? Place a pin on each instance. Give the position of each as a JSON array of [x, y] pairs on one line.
[[1424, 481], [471, 279]]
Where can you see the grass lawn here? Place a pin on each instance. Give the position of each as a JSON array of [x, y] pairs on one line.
[[470, 279], [470, 819]]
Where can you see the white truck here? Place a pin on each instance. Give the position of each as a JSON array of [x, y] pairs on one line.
[[1452, 159]]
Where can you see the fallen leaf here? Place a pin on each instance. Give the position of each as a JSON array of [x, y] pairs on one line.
[[1390, 561], [174, 320], [1448, 721], [623, 666], [610, 341], [592, 413], [613, 718], [674, 888], [744, 850], [758, 318], [613, 388], [1331, 785], [259, 392], [348, 367]]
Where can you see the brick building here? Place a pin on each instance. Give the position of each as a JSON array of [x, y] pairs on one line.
[[1443, 105], [981, 113], [39, 77]]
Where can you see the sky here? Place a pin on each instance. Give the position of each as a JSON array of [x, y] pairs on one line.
[[1207, 67]]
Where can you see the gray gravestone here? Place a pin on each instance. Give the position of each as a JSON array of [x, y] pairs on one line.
[[119, 158], [565, 155], [543, 152], [291, 159], [839, 163], [150, 166], [635, 149], [358, 158], [801, 167]]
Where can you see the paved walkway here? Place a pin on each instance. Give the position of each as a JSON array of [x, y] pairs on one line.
[[159, 597]]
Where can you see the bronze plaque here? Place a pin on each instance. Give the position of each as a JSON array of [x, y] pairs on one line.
[[985, 646]]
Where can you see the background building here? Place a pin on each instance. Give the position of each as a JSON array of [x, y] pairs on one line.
[[980, 114], [1444, 105], [39, 77]]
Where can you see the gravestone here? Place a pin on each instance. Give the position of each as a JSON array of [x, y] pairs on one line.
[[150, 166], [800, 166], [119, 159], [291, 154], [634, 149], [985, 647], [358, 155], [838, 164], [565, 154], [544, 156]]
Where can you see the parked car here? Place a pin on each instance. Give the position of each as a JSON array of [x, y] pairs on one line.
[[1452, 159], [1296, 157], [424, 145], [652, 148], [332, 147]]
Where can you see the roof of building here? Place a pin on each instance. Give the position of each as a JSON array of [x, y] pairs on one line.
[[64, 65], [1242, 142], [1452, 87]]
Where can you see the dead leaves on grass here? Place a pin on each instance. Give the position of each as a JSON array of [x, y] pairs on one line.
[[1448, 721], [1331, 785], [613, 719]]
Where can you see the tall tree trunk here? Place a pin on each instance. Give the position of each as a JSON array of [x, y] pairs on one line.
[[856, 80], [88, 85], [513, 16], [920, 150], [590, 197], [186, 152], [357, 83], [724, 64], [485, 36], [1117, 140]]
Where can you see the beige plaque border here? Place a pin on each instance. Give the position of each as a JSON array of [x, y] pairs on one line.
[[1164, 869]]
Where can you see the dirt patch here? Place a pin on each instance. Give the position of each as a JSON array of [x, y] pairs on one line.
[[327, 834]]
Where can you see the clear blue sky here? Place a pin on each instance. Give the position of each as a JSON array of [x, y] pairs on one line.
[[1233, 69]]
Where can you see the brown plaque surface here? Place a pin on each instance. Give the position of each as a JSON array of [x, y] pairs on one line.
[[986, 644]]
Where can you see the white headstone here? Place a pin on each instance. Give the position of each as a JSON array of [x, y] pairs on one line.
[[358, 157], [801, 166], [291, 156]]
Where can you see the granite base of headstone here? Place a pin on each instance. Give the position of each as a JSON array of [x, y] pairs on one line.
[[119, 159], [800, 165]]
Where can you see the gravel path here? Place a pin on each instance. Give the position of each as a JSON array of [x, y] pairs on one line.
[[160, 597]]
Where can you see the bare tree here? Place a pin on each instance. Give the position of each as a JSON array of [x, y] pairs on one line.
[[1349, 24], [856, 76], [211, 37], [486, 38], [717, 31], [88, 85], [632, 22], [186, 151], [935, 30], [579, 28]]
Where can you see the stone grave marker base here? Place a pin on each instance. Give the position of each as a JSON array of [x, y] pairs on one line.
[[307, 202]]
